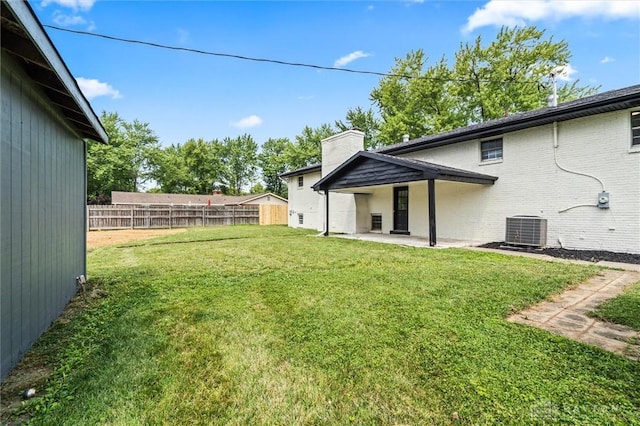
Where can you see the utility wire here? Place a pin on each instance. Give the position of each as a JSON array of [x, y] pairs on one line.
[[271, 61], [225, 55]]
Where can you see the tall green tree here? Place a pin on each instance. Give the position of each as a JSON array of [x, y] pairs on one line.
[[509, 75], [123, 164], [169, 170], [307, 148], [240, 159], [205, 163], [273, 162], [366, 122]]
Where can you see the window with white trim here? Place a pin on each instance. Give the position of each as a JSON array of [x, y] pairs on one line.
[[300, 181], [300, 218], [491, 150], [635, 128]]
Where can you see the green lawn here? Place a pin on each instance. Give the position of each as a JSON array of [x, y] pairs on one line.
[[270, 325], [624, 309]]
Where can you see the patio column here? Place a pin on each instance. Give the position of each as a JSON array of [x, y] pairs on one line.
[[326, 219], [432, 212]]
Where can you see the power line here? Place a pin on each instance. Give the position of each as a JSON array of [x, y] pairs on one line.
[[273, 61], [225, 55]]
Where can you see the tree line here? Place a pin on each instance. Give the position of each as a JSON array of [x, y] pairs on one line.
[[511, 74]]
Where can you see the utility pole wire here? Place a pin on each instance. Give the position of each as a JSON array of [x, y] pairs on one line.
[[271, 61], [224, 55]]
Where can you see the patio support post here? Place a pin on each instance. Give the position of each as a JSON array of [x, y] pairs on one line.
[[432, 212], [326, 219]]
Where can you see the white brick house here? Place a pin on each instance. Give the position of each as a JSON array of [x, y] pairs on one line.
[[559, 164]]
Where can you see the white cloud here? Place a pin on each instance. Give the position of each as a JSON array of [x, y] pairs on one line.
[[512, 13], [73, 4], [565, 72], [183, 35], [606, 60], [92, 88], [305, 98], [246, 122], [350, 58], [68, 20]]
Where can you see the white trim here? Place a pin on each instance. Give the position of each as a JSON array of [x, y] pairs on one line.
[[41, 41]]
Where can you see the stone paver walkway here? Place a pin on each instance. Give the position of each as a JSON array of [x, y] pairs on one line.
[[566, 313]]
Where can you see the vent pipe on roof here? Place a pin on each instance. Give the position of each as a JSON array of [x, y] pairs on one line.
[[405, 138], [552, 100]]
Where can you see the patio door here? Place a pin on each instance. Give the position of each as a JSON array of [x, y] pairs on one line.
[[400, 210]]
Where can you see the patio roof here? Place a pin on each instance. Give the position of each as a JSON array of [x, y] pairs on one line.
[[370, 169]]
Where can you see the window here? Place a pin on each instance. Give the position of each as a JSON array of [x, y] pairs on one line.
[[300, 218], [491, 150], [376, 222], [300, 181], [635, 128]]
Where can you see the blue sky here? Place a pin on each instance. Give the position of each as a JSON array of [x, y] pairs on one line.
[[185, 95]]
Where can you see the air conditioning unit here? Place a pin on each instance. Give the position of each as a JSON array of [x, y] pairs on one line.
[[526, 231]]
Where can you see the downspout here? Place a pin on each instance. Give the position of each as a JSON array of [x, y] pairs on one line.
[[326, 219]]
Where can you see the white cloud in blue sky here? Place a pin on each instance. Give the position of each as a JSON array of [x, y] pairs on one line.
[[247, 122], [566, 72], [92, 88], [606, 60], [68, 20], [73, 4], [183, 35], [347, 59], [512, 13]]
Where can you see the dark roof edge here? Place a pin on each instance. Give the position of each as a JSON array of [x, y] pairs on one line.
[[38, 36], [302, 171], [613, 100]]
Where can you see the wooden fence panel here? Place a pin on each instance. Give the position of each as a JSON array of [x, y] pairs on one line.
[[148, 217], [272, 214]]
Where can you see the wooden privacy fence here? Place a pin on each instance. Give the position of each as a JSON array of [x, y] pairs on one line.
[[273, 214], [145, 217]]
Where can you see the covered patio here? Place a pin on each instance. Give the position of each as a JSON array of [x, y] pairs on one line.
[[365, 171]]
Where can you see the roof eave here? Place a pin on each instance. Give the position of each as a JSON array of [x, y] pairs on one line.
[[546, 116], [41, 41]]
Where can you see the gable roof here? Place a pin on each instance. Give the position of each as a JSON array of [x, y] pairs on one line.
[[25, 39], [613, 100], [369, 169], [121, 197]]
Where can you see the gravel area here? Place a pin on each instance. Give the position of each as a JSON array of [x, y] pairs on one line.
[[587, 255]]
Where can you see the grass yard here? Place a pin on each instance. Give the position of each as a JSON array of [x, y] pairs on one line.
[[624, 309], [271, 325]]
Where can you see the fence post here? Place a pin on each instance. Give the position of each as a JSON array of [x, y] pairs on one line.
[[132, 217], [203, 207], [170, 216], [233, 214]]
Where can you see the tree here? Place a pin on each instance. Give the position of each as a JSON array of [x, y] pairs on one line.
[[272, 161], [205, 164], [123, 164], [510, 75], [364, 121], [170, 170], [307, 149], [240, 162]]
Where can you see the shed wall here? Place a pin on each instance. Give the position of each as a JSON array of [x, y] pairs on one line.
[[42, 214]]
